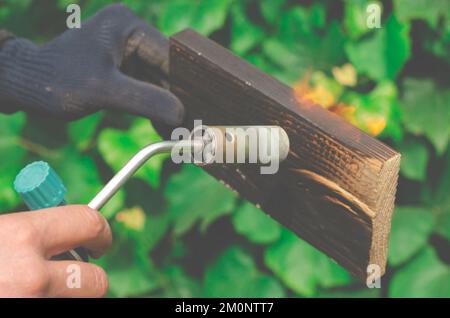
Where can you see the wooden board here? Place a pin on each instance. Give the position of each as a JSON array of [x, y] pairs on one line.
[[335, 190]]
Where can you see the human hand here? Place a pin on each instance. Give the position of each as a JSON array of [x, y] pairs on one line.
[[30, 239], [78, 73]]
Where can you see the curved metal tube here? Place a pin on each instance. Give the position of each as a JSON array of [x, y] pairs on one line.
[[192, 145], [131, 166]]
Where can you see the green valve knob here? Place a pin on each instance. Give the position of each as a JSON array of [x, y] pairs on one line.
[[40, 186]]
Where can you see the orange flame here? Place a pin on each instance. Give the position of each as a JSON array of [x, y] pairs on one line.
[[318, 94]]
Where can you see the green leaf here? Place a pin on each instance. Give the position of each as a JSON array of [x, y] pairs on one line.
[[266, 286], [11, 125], [289, 64], [384, 54], [271, 9], [397, 46], [317, 15], [330, 49], [82, 131], [425, 276], [384, 97], [414, 160], [381, 102], [235, 266], [329, 274], [117, 147], [12, 157], [244, 34], [293, 25], [82, 180], [194, 196], [176, 16], [443, 225], [368, 56], [62, 4], [177, 284], [298, 47], [131, 281], [154, 230], [355, 17], [442, 197], [130, 274], [78, 173], [280, 54], [300, 24], [205, 16], [114, 205], [426, 111], [210, 15], [303, 268], [421, 9], [410, 229], [440, 45], [254, 224]]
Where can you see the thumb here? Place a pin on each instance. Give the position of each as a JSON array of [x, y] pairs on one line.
[[144, 99]]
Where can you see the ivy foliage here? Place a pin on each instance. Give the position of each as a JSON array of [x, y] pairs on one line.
[[180, 233]]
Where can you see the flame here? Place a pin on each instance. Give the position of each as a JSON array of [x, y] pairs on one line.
[[319, 94], [133, 218], [345, 111], [375, 125]]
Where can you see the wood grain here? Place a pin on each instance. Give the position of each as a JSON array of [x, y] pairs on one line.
[[335, 190]]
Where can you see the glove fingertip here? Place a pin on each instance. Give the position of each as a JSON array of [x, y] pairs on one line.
[[144, 99], [173, 110]]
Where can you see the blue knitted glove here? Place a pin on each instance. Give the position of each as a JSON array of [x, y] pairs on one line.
[[78, 73]]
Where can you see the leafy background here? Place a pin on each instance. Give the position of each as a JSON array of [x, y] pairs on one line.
[[177, 231]]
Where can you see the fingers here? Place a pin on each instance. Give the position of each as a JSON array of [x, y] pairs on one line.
[[151, 47], [29, 239], [76, 279], [63, 228], [144, 99], [129, 35], [132, 34]]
